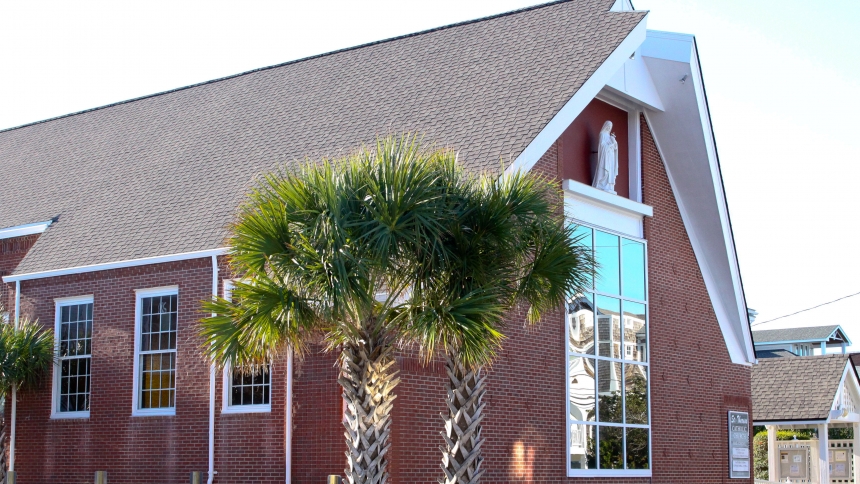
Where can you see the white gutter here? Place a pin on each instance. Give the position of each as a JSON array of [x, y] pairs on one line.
[[26, 229], [212, 384], [116, 265], [288, 419], [14, 387]]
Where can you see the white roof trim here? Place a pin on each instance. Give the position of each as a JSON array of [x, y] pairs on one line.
[[613, 201], [622, 6], [588, 91], [116, 265], [685, 140], [26, 229]]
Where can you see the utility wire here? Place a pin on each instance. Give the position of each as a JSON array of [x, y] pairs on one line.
[[807, 309]]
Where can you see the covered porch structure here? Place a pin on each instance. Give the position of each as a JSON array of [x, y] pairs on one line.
[[813, 392]]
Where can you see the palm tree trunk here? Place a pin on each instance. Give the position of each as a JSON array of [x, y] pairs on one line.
[[368, 381], [461, 454]]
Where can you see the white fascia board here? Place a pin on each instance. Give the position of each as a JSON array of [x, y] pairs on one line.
[[26, 229], [769, 343], [685, 141], [785, 423], [633, 81], [588, 91], [622, 6], [117, 265]]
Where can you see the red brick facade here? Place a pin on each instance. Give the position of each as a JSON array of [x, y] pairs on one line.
[[693, 385]]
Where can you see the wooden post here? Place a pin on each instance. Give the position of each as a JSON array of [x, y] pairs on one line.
[[856, 452], [823, 451], [772, 454], [101, 477]]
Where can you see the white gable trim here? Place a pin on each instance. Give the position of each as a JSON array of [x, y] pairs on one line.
[[849, 384], [685, 141], [588, 91], [26, 229]]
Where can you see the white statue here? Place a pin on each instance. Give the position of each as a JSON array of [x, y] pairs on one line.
[[607, 160]]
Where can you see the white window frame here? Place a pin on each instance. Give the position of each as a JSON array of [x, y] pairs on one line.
[[596, 356], [59, 303], [227, 379], [136, 410]]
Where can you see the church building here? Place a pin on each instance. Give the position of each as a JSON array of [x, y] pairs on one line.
[[113, 227]]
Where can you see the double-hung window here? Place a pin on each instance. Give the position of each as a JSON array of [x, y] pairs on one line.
[[246, 390], [73, 333], [155, 351], [607, 353]]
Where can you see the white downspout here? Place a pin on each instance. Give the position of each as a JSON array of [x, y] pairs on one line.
[[288, 433], [14, 387], [212, 385]]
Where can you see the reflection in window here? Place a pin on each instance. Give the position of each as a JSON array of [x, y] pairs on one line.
[[635, 331], [73, 356], [608, 359], [606, 255], [157, 351]]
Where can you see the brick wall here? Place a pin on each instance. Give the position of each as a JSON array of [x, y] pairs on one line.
[[12, 251], [249, 447]]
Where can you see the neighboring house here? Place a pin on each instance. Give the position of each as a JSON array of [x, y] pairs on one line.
[[804, 341], [115, 220], [817, 392]]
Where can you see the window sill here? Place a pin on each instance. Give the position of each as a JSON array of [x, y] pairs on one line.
[[240, 409], [69, 415], [609, 473], [605, 198], [165, 412]]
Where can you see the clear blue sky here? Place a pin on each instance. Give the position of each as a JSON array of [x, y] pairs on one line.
[[782, 77]]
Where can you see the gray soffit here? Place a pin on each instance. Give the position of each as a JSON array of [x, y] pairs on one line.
[[800, 388], [809, 334], [163, 174]]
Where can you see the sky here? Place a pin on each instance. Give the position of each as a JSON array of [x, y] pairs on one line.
[[782, 79]]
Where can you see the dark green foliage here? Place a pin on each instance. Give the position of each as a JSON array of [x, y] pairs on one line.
[[611, 443], [26, 354], [760, 470]]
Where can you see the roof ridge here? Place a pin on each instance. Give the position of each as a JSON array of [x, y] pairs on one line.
[[295, 61]]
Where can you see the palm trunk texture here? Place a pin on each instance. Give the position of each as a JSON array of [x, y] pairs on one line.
[[368, 382], [461, 454]]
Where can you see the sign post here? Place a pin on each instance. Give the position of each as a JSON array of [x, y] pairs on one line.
[[740, 463]]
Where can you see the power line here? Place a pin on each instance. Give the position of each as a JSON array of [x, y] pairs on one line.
[[807, 309]]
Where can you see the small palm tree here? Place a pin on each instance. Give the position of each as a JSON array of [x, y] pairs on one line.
[[26, 355], [333, 249], [509, 245]]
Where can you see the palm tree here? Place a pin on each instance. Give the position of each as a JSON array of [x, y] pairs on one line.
[[333, 249], [26, 355], [509, 245]]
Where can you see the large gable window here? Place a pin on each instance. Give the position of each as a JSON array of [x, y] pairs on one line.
[[607, 358], [155, 351], [74, 330]]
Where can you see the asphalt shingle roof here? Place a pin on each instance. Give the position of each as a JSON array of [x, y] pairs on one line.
[[774, 354], [809, 333], [801, 388], [163, 174]]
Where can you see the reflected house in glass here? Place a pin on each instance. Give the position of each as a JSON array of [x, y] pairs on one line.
[[113, 226]]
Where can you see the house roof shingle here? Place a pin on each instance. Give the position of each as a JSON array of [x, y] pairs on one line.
[[809, 333], [163, 174], [801, 388]]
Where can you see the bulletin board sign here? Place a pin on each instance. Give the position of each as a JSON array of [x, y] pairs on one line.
[[740, 464]]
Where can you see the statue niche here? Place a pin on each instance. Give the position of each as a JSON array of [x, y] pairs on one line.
[[607, 160]]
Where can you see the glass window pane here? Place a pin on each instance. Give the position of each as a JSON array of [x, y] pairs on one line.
[[582, 446], [609, 399], [633, 263], [635, 332], [637, 448], [583, 236], [608, 326], [611, 447], [607, 258], [580, 321], [636, 393], [581, 389]]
